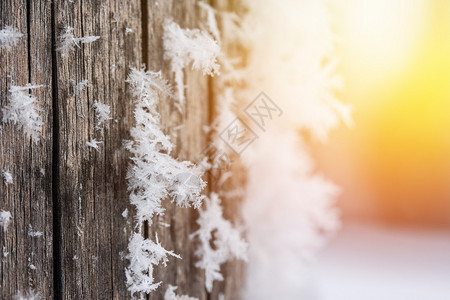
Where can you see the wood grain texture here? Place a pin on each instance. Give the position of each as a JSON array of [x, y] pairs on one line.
[[26, 261], [190, 139], [73, 193], [93, 191]]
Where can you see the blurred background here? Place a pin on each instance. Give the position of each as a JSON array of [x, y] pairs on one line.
[[394, 166]]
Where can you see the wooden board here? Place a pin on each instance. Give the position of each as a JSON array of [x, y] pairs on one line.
[[73, 193], [28, 261], [93, 191]]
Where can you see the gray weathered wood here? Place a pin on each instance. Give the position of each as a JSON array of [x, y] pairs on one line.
[[78, 202], [93, 185], [29, 199]]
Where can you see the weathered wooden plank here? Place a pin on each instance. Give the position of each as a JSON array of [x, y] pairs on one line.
[[190, 140], [28, 263], [93, 184]]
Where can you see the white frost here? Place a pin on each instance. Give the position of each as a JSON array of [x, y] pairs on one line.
[[143, 255], [31, 295], [23, 110], [183, 47], [78, 87], [170, 294], [67, 41], [94, 144], [5, 219], [7, 177], [227, 241], [9, 37], [102, 113], [32, 233], [153, 176]]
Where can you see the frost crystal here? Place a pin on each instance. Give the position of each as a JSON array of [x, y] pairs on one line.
[[7, 177], [185, 46], [94, 144], [227, 241], [79, 87], [67, 41], [153, 175], [22, 110], [9, 37], [5, 219], [31, 295], [143, 255], [32, 233], [170, 294], [102, 113]]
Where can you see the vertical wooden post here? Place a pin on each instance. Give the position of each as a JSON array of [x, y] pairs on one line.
[[93, 191], [26, 261]]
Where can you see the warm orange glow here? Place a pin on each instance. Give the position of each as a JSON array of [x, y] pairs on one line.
[[396, 62]]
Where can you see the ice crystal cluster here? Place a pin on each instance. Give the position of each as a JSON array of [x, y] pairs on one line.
[[23, 110], [67, 41], [183, 47], [9, 37], [170, 294], [153, 176], [102, 114], [219, 241], [288, 209], [30, 295], [5, 219], [7, 177]]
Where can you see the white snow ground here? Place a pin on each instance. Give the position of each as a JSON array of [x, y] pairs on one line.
[[368, 262]]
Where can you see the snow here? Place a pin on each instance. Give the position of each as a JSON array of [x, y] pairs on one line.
[[31, 295], [32, 233], [102, 113], [67, 41], [9, 37], [79, 87], [7, 177], [170, 294], [143, 255], [227, 241], [5, 219], [183, 47], [153, 176], [23, 111], [93, 143], [372, 262]]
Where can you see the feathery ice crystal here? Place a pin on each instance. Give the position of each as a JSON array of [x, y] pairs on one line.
[[227, 241], [153, 176], [5, 219], [170, 294], [102, 113], [9, 37], [31, 295], [7, 177], [185, 46], [67, 41], [143, 255], [23, 110]]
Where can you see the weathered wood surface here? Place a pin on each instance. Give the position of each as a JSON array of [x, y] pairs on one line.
[[29, 198], [78, 203], [189, 139]]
